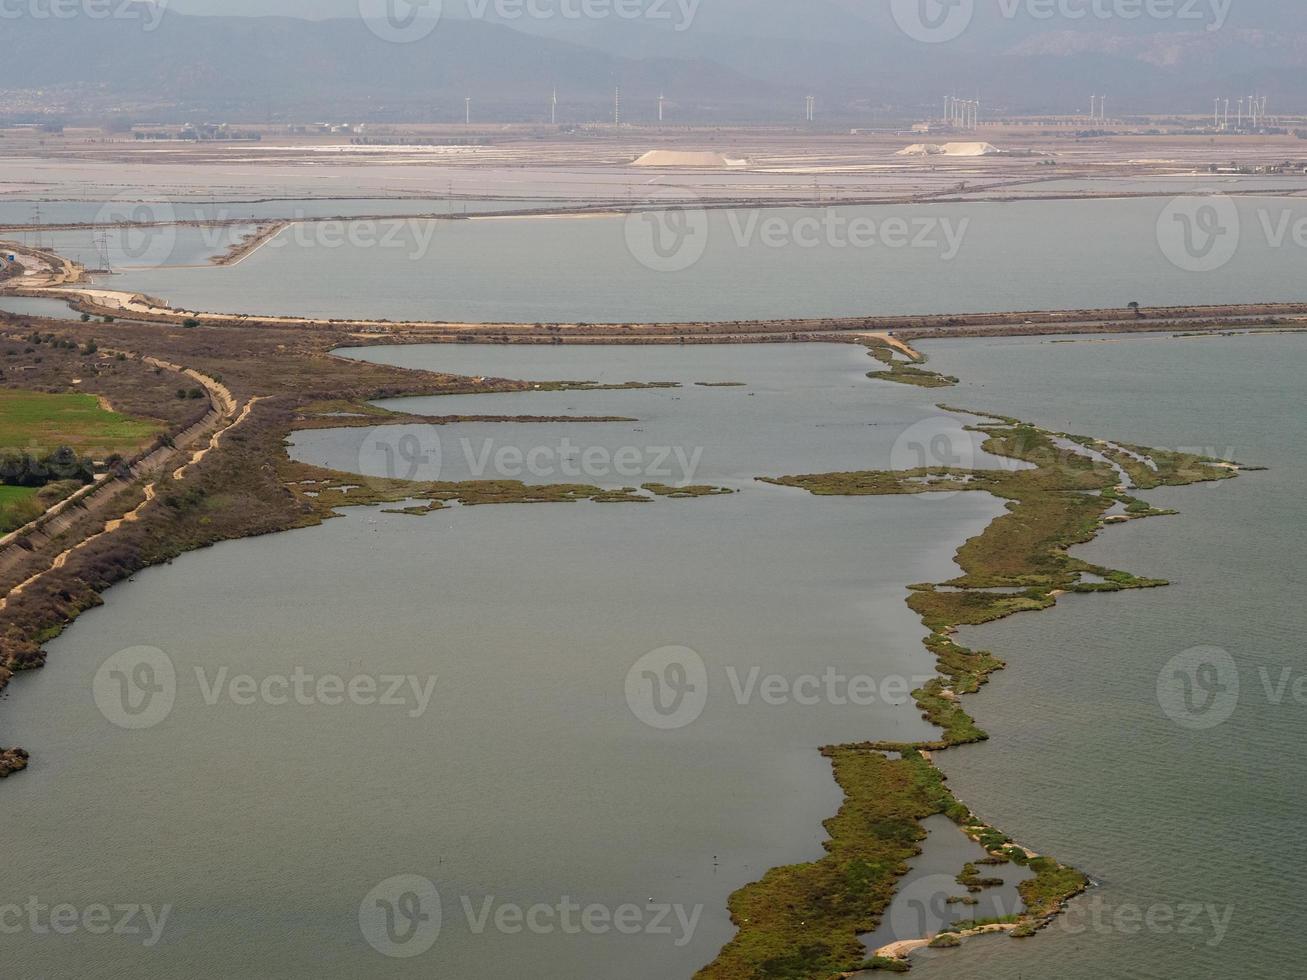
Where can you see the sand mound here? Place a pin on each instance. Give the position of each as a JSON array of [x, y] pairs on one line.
[[686, 158], [920, 150], [950, 150], [970, 149]]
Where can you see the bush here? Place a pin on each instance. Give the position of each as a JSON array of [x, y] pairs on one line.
[[18, 469], [887, 964], [18, 513], [52, 493]]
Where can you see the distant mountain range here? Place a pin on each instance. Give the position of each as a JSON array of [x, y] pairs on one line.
[[716, 60]]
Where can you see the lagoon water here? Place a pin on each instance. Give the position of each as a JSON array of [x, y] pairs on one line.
[[968, 256], [37, 306], [530, 779], [124, 248], [822, 414], [1084, 763]]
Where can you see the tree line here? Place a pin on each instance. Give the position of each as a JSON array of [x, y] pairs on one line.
[[21, 469]]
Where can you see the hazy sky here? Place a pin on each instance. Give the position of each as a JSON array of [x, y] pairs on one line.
[[1254, 14]]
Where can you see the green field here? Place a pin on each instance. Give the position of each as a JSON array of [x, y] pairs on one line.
[[38, 423], [17, 506]]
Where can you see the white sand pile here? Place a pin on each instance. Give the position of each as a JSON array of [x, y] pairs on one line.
[[950, 150], [687, 158], [970, 149]]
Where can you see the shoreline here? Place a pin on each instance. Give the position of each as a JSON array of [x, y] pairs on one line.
[[1064, 506], [62, 279], [1000, 193]]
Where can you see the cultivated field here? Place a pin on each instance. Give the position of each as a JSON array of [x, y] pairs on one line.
[[38, 422]]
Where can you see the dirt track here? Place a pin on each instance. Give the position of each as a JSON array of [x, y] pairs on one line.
[[43, 534]]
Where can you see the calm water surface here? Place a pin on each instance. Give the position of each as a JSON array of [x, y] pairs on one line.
[[764, 264], [35, 306], [792, 409], [530, 779], [1084, 763]]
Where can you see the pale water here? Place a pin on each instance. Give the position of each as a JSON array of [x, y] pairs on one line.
[[791, 409], [37, 306], [1084, 763], [530, 779], [764, 264]]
